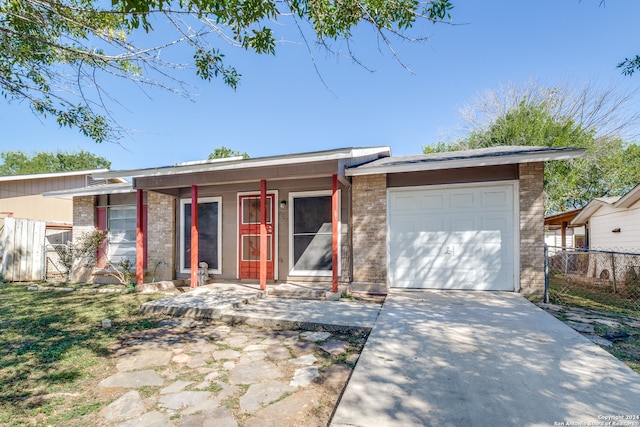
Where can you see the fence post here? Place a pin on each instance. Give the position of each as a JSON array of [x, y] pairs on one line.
[[43, 275], [546, 274], [613, 272]]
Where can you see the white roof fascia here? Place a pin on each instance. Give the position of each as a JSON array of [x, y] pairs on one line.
[[493, 160], [588, 211], [54, 175], [629, 199], [94, 190], [248, 163]]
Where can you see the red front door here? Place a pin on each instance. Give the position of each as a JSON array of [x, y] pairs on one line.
[[249, 236]]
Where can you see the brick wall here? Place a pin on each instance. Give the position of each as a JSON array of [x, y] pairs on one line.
[[531, 229], [84, 221], [369, 225], [161, 232]]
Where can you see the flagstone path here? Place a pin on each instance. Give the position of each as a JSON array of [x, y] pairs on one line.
[[206, 373]]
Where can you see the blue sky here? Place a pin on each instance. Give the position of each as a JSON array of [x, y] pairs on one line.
[[282, 106]]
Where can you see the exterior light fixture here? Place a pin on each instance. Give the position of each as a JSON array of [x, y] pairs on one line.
[[283, 204], [616, 230]]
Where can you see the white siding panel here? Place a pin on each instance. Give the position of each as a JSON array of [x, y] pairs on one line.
[[607, 219]]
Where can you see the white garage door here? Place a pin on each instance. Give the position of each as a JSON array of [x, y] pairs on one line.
[[452, 237]]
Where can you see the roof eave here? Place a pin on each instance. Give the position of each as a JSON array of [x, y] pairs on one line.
[[92, 191], [629, 199], [339, 154], [53, 175], [586, 212], [469, 162]]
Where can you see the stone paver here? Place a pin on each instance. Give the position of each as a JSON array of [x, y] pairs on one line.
[[183, 399], [128, 406], [261, 394], [335, 347], [285, 412], [144, 360], [304, 376], [150, 419], [176, 387], [254, 372], [315, 336], [132, 379], [199, 373]]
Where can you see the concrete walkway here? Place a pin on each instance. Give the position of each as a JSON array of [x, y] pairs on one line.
[[482, 359]]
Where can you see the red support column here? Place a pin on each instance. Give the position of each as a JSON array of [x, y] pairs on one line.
[[263, 235], [194, 236], [335, 225], [139, 238]]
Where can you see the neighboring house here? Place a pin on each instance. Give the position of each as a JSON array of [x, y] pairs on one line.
[[560, 233], [21, 195], [612, 223], [35, 220], [464, 220], [612, 233]]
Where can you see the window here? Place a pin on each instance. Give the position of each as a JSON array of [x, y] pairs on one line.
[[310, 222], [209, 233], [121, 223]]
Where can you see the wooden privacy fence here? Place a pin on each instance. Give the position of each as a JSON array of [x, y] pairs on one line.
[[22, 257]]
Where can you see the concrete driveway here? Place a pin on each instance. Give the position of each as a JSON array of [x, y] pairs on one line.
[[483, 359]]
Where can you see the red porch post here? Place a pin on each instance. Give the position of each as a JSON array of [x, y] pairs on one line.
[[139, 238], [334, 233], [194, 236], [263, 235]]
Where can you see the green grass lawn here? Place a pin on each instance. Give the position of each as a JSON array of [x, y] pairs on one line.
[[52, 343]]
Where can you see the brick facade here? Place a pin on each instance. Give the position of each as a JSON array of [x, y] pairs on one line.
[[161, 235], [531, 229], [369, 225], [84, 221]]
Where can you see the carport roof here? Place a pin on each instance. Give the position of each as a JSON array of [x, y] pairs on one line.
[[490, 156]]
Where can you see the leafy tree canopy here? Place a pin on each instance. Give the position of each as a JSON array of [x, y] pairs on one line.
[[226, 152], [52, 50], [610, 166], [20, 163]]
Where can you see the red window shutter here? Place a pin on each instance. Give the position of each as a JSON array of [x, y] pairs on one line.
[[101, 253]]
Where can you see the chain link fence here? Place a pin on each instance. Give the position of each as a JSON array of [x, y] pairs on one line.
[[607, 277], [55, 258]]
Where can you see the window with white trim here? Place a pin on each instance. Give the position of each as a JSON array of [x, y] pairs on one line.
[[121, 223], [311, 233]]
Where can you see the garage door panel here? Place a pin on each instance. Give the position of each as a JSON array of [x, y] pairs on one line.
[[457, 239], [463, 200], [492, 199], [463, 224], [433, 202]]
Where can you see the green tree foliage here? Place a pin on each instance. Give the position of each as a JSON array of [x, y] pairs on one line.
[[20, 163], [226, 152], [52, 50], [610, 166]]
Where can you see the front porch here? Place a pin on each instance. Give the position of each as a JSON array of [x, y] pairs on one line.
[[236, 302]]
